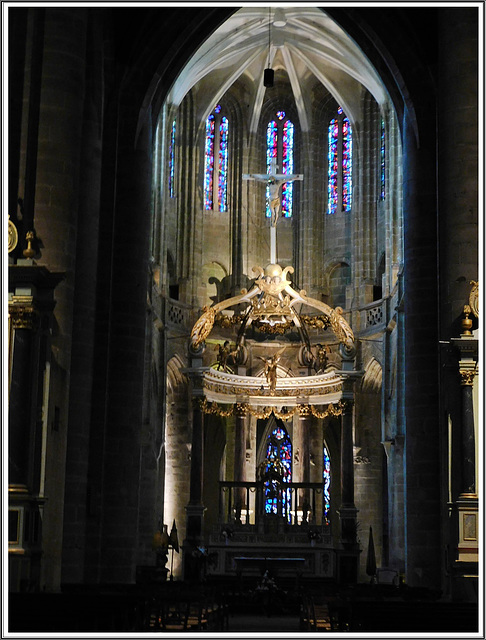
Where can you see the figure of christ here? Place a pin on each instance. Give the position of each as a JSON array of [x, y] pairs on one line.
[[274, 181]]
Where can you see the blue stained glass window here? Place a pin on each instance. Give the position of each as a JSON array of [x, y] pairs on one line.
[[223, 164], [340, 164], [288, 167], [382, 161], [326, 476], [278, 471], [172, 159], [272, 151], [333, 163], [209, 163], [280, 147], [216, 162], [347, 164]]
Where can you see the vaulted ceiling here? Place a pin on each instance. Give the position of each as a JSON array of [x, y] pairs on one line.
[[303, 41]]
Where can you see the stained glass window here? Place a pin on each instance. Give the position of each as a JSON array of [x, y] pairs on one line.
[[278, 472], [288, 167], [340, 164], [272, 153], [223, 164], [333, 171], [382, 161], [172, 159], [209, 163], [216, 162], [280, 154], [326, 476]]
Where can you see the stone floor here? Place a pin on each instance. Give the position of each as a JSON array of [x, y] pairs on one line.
[[248, 623]]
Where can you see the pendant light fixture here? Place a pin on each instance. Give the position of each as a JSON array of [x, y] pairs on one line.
[[268, 73]]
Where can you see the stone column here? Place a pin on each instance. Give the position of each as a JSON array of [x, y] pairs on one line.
[[241, 422], [348, 557], [195, 508], [306, 505]]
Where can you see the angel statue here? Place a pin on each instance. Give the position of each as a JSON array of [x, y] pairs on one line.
[[270, 370], [225, 352]]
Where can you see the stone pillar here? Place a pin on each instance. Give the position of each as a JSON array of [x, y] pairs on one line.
[[195, 508], [457, 172], [241, 421], [348, 557], [305, 498], [347, 462], [421, 383]]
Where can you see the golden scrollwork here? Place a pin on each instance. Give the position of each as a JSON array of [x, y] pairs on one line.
[[467, 377], [224, 321], [340, 327], [13, 236], [270, 305], [203, 326], [23, 317], [262, 413], [332, 410], [275, 329], [316, 322]]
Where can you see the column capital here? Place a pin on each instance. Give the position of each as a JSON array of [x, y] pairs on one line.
[[467, 376]]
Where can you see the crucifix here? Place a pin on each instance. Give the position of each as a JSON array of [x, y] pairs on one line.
[[274, 181]]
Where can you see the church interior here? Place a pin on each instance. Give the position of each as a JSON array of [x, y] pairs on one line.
[[243, 321]]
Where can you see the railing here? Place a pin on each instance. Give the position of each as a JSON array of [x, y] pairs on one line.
[[178, 315], [295, 502], [373, 314]]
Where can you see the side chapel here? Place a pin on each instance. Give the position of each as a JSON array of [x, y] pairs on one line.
[[243, 292]]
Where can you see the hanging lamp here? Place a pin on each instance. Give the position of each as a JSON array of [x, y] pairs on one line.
[[268, 73]]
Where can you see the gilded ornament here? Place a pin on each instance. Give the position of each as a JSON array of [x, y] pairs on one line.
[[203, 326], [467, 377], [13, 236], [466, 322], [273, 279], [23, 317], [29, 252]]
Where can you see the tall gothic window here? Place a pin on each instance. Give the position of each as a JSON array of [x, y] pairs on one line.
[[278, 472], [326, 477], [280, 153], [340, 164], [172, 159], [382, 162], [216, 162]]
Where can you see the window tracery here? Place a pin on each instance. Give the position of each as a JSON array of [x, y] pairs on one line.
[[172, 159], [326, 476], [340, 164], [277, 473], [216, 161], [280, 152]]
